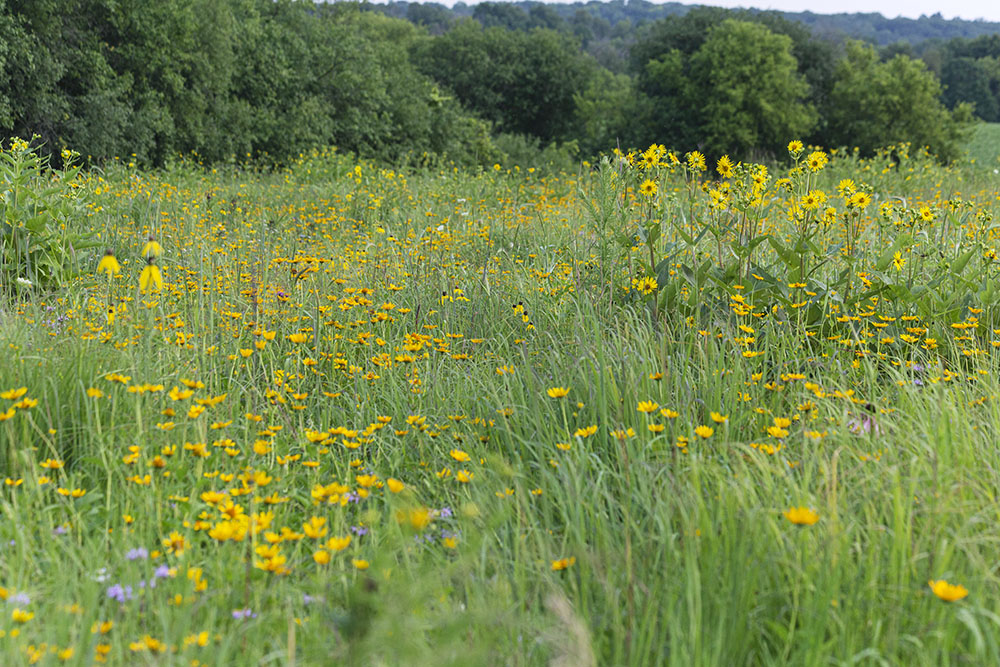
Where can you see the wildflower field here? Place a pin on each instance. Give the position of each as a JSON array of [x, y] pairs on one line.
[[658, 411]]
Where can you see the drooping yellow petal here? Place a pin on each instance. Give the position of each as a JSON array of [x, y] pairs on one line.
[[152, 249], [150, 280], [109, 265]]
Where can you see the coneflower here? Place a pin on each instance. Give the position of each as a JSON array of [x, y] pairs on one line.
[[152, 249], [150, 280], [109, 264]]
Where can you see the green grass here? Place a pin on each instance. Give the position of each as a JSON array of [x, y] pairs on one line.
[[438, 309], [984, 144]]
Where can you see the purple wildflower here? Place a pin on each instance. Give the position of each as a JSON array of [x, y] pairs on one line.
[[137, 553], [119, 592]]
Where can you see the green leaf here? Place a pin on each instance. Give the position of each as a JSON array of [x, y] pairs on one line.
[[786, 254], [37, 224], [959, 264]]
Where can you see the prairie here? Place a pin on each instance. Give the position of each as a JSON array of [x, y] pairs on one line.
[[656, 411]]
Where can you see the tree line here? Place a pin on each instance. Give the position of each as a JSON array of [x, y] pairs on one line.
[[603, 17], [720, 80], [969, 70], [225, 79], [268, 79]]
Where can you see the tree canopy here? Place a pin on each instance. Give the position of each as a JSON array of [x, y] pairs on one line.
[[405, 82], [874, 104]]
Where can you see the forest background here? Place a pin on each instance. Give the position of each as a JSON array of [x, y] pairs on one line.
[[409, 83]]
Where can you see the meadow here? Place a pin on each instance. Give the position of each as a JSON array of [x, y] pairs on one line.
[[657, 411], [984, 145]]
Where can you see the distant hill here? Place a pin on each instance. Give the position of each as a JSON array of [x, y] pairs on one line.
[[872, 27], [880, 30]]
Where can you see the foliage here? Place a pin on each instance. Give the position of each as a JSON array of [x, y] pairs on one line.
[[41, 244], [523, 82], [605, 111], [868, 26], [518, 150], [738, 90], [969, 71], [973, 82], [240, 81], [874, 103], [752, 95], [227, 80]]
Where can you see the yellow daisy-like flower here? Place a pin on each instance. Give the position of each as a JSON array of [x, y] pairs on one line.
[[704, 431], [846, 187], [724, 166], [898, 260], [647, 407], [817, 160], [648, 188], [948, 592], [777, 432], [19, 616], [557, 392], [563, 563], [695, 161], [814, 199], [338, 543], [645, 285], [802, 516], [860, 200]]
